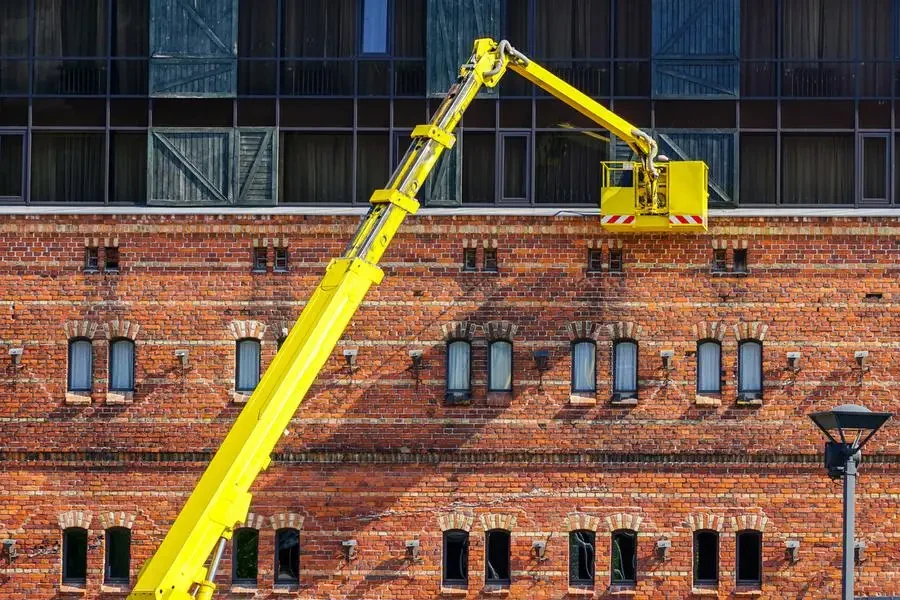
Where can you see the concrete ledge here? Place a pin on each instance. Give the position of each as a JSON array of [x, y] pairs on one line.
[[78, 397], [454, 591], [495, 590], [499, 398], [119, 397], [243, 589], [707, 400], [240, 397], [68, 588], [580, 399], [115, 588], [704, 591], [624, 402], [581, 592]]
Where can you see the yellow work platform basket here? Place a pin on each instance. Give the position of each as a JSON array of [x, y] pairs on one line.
[[683, 190]]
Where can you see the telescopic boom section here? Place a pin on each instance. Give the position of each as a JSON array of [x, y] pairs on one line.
[[184, 566]]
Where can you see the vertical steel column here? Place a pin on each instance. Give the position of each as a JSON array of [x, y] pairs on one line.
[[849, 526]]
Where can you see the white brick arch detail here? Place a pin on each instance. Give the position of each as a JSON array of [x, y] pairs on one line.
[[116, 519], [247, 329], [624, 521], [698, 521], [80, 329], [286, 520], [448, 521], [497, 521], [75, 518], [582, 521], [121, 329]]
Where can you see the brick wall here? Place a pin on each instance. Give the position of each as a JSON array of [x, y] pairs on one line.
[[377, 455]]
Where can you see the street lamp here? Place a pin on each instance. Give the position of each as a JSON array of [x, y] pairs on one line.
[[848, 428]]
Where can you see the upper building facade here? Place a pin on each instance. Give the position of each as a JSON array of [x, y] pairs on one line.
[[310, 102]]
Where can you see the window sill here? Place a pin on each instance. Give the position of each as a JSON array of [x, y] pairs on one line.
[[119, 397], [283, 589], [71, 588], [454, 591], [621, 590], [499, 398], [78, 397], [495, 590], [619, 401], [749, 402], [582, 399], [243, 589], [581, 592], [747, 592], [708, 400], [115, 588], [705, 591], [240, 397]]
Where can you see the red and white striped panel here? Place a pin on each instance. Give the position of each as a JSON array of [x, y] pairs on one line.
[[617, 219], [686, 219]]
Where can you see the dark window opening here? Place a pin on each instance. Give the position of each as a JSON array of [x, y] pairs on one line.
[[817, 169], [257, 25], [91, 259], [67, 167], [625, 360], [584, 367], [469, 259], [749, 557], [595, 260], [709, 367], [567, 168], [409, 33], [757, 156], [456, 557], [750, 383], [632, 40], [118, 555], [500, 366], [740, 260], [624, 557], [287, 556], [875, 169], [80, 365], [318, 28], [245, 560], [478, 166], [490, 260], [247, 365], [128, 168], [706, 557], [111, 259], [719, 261], [372, 163], [582, 551], [572, 29], [515, 168], [375, 27], [615, 260], [260, 259], [11, 166], [14, 29], [131, 28], [193, 112], [121, 366], [496, 557], [280, 342], [317, 168], [67, 28], [74, 557], [281, 260], [459, 370]]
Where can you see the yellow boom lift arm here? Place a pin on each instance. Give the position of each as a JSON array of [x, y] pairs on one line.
[[185, 564]]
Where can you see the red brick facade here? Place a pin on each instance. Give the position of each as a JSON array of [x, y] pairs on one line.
[[376, 454]]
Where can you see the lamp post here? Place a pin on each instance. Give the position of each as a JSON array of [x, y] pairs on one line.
[[848, 428]]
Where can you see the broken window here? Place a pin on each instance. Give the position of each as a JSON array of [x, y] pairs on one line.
[[749, 557], [118, 555], [625, 369], [584, 367], [80, 365], [469, 259], [749, 370], [456, 557], [490, 260], [719, 261], [245, 558], [287, 556], [624, 557], [740, 260], [582, 550], [111, 259], [709, 367], [91, 259], [595, 260], [74, 556], [458, 369], [706, 557], [615, 260], [121, 365], [260, 259], [281, 260], [496, 557], [247, 367], [500, 366]]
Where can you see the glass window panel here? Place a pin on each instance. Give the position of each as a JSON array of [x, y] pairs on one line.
[[247, 365], [80, 361], [625, 367], [758, 159], [624, 557], [67, 167], [118, 555], [128, 168], [14, 28], [582, 550], [456, 556], [131, 28], [246, 555], [458, 367], [375, 27], [584, 367], [817, 169], [709, 366], [567, 168], [572, 29], [501, 366], [478, 167], [74, 555], [750, 367], [318, 28], [121, 367], [515, 167], [317, 168], [706, 557], [11, 165], [372, 163], [497, 557], [749, 557], [875, 171], [287, 556], [70, 27]]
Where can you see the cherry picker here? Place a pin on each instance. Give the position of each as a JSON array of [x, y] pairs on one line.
[[643, 195]]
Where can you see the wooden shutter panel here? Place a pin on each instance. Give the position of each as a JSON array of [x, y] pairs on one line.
[[193, 48], [452, 28], [190, 167], [696, 44], [716, 149], [256, 167], [444, 186]]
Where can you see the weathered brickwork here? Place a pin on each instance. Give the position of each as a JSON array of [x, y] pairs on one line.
[[377, 455]]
